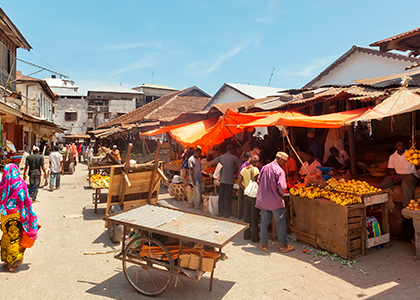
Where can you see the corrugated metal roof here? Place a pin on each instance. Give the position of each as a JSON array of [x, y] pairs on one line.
[[155, 86], [404, 35], [391, 80], [62, 92], [180, 224], [223, 107], [116, 89], [255, 91]]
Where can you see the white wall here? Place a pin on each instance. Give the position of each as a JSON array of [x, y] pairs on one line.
[[229, 95], [64, 104], [38, 103], [116, 106], [361, 66]]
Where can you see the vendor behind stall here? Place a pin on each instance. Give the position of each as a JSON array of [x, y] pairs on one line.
[[310, 165], [229, 162], [115, 153], [401, 173], [196, 177], [339, 160], [291, 170], [314, 146]]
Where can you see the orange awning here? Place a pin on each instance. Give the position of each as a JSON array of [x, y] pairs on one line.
[[296, 119]]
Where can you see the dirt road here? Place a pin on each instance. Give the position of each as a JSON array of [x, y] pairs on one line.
[[56, 267]]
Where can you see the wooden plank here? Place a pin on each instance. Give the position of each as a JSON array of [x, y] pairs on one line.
[[378, 240], [152, 179], [110, 191], [376, 199], [385, 220], [155, 199], [129, 203], [355, 244], [332, 228]]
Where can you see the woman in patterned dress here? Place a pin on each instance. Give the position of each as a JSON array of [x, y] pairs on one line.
[[16, 217]]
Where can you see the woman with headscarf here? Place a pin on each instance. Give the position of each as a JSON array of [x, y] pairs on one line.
[[16, 216]]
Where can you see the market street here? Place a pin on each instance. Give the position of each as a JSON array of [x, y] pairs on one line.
[[56, 267]]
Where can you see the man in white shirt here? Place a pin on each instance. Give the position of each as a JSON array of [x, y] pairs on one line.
[[311, 165], [56, 168], [194, 165], [401, 172]]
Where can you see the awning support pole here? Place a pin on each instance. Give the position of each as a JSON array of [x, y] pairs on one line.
[[352, 145]]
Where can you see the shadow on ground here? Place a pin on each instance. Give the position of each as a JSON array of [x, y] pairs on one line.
[[117, 287]]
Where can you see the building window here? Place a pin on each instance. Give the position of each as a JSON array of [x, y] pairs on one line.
[[121, 114], [107, 115], [90, 115], [98, 96], [70, 116]]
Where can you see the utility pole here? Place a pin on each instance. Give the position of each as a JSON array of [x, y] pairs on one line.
[[271, 76]]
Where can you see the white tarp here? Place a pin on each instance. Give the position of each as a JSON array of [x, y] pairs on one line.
[[402, 101]]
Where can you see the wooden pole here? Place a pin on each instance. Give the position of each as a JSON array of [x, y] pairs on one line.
[[352, 143], [152, 179]]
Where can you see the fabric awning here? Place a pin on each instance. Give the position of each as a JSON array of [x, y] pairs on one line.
[[296, 119], [402, 101]]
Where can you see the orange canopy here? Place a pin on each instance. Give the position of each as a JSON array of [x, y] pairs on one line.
[[296, 119], [226, 127]]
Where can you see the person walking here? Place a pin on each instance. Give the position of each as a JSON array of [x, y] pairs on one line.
[[89, 153], [194, 165], [56, 168], [271, 188], [251, 213], [35, 163], [229, 162], [17, 217], [79, 148]]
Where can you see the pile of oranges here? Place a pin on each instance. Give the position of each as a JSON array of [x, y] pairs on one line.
[[413, 156]]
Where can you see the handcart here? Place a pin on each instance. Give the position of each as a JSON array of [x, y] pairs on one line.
[[149, 265], [68, 161]]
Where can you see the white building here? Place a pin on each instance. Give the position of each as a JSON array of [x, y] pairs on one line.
[[235, 92], [110, 102], [152, 92], [360, 63], [71, 106]]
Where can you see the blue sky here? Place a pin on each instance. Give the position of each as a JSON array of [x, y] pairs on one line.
[[202, 43]]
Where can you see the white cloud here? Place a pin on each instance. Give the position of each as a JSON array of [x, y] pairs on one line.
[[222, 58], [314, 67], [124, 46], [270, 15]]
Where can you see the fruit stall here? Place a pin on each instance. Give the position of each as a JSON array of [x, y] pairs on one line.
[[413, 212], [331, 215]]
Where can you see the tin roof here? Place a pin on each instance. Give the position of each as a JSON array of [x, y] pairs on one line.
[[170, 105], [391, 80], [115, 89], [155, 86], [184, 225], [234, 106], [409, 40], [62, 92]]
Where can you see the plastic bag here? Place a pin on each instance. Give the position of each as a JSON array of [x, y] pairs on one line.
[[214, 204], [252, 189], [216, 174]]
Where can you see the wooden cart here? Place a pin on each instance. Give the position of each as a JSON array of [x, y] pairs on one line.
[[128, 187], [150, 266]]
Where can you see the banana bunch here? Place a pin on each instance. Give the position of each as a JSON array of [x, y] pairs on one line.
[[351, 186], [335, 197], [343, 199]]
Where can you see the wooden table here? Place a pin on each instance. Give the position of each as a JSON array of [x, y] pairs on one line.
[[415, 215]]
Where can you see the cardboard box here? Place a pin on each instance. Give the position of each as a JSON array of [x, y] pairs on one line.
[[207, 264], [195, 261], [184, 260]]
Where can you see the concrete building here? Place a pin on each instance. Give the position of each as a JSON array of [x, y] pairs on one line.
[[70, 108], [110, 102], [361, 63], [235, 92], [152, 92]]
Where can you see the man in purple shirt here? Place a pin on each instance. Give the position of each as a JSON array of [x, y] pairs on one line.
[[271, 188]]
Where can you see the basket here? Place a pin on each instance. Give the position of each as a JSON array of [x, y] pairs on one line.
[[375, 173]]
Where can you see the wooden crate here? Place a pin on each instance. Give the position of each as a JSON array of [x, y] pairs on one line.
[[323, 224]]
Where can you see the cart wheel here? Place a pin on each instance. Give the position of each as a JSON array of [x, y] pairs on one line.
[[71, 168], [115, 231], [148, 271]]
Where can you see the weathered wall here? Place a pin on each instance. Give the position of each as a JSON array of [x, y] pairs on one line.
[[64, 104]]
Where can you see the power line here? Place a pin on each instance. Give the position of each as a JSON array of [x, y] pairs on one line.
[[42, 68]]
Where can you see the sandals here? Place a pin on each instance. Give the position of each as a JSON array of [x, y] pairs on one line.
[[287, 249], [264, 248]]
